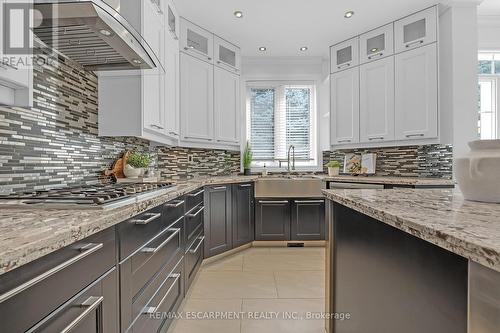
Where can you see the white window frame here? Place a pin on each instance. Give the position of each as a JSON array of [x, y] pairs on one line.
[[496, 79], [312, 166]]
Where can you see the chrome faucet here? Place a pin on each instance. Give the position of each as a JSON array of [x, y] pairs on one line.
[[292, 147]]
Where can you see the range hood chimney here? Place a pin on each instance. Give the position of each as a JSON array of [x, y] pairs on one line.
[[94, 34]]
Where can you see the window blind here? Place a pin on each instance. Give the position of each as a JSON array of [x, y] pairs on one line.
[[262, 102]]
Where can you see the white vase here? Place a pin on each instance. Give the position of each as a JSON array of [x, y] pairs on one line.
[[333, 171], [478, 172], [131, 172]]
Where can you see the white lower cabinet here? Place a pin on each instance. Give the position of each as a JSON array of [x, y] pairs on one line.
[[417, 94], [344, 115], [377, 101], [226, 106]]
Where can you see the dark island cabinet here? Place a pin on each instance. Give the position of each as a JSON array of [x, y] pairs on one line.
[[308, 219], [243, 214], [272, 220], [218, 224]]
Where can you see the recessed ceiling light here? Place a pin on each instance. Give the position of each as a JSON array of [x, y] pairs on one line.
[[105, 32], [238, 14], [136, 61], [349, 14], [304, 48], [262, 48]]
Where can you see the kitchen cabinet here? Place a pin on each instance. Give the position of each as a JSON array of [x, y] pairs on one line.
[[416, 30], [377, 101], [173, 21], [227, 55], [344, 55], [226, 106], [196, 41], [308, 220], [172, 71], [376, 44], [16, 78], [484, 299], [217, 224], [344, 116], [243, 223], [272, 220], [416, 100]]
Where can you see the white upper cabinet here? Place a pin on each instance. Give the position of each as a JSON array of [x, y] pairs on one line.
[[416, 30], [197, 99], [227, 106], [417, 94], [344, 55], [173, 22], [377, 101], [376, 44], [171, 99], [197, 41], [344, 115], [227, 55]]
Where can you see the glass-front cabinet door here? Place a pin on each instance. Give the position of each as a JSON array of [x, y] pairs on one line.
[[227, 55], [376, 44], [344, 55], [416, 30], [196, 41], [172, 21]]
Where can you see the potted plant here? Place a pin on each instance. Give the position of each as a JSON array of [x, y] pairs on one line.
[[247, 159], [333, 168], [136, 163]]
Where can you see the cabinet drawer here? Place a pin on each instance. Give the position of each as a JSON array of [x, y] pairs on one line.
[[37, 289], [193, 259], [173, 210], [95, 309], [194, 198], [194, 223], [167, 299]]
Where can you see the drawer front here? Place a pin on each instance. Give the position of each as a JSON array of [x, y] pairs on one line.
[[193, 259], [173, 210], [37, 289], [94, 308], [194, 198], [138, 230], [167, 299], [194, 224]]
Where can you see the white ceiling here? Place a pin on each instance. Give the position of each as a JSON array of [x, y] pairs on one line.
[[489, 8], [283, 26]]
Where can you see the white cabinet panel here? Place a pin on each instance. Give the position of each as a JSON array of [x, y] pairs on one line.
[[416, 99], [197, 96], [227, 55], [197, 41], [416, 30], [227, 106], [377, 101], [344, 107], [344, 55], [376, 44]]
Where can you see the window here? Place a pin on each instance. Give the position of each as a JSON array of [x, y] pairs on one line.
[[281, 115], [488, 93], [489, 63]]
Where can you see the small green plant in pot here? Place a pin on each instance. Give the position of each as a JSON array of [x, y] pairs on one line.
[[247, 159], [333, 168], [136, 163]]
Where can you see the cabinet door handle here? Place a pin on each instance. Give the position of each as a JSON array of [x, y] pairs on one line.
[[344, 66], [274, 202], [165, 242], [376, 138], [152, 309], [157, 126], [197, 213], [187, 48], [309, 201], [219, 188], [226, 64], [90, 304], [86, 250], [376, 55], [246, 185], [414, 135], [196, 194], [198, 246], [175, 205], [173, 133], [152, 217], [414, 43], [346, 140]]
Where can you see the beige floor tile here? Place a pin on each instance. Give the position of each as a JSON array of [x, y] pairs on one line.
[[231, 263], [297, 309], [299, 250], [300, 284], [231, 284], [284, 262], [194, 314]]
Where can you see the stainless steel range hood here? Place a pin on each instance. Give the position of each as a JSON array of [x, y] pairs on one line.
[[94, 34]]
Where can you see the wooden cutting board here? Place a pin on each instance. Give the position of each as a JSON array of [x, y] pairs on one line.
[[117, 167]]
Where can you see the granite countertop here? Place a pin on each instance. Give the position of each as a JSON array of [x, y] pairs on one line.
[[411, 181], [28, 234], [439, 216]]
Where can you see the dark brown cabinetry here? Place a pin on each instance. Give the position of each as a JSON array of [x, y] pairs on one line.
[[218, 224], [243, 214]]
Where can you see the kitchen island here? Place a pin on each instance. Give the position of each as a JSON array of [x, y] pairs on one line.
[[412, 261]]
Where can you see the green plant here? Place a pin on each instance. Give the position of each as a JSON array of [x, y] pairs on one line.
[[139, 160], [333, 164], [247, 156]]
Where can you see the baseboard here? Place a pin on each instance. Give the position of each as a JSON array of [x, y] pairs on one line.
[[226, 254]]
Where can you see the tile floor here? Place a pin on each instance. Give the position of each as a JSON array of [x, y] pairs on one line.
[[258, 282]]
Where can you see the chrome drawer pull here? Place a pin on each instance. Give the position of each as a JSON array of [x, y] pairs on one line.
[[376, 55], [346, 140], [165, 242], [308, 201], [86, 251], [376, 138], [197, 213], [152, 217], [196, 194], [152, 309], [90, 304], [274, 202], [414, 135], [219, 188], [157, 126], [175, 205], [415, 43], [246, 185], [342, 66], [198, 246]]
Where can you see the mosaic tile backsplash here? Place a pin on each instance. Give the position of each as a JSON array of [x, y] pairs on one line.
[[434, 161]]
